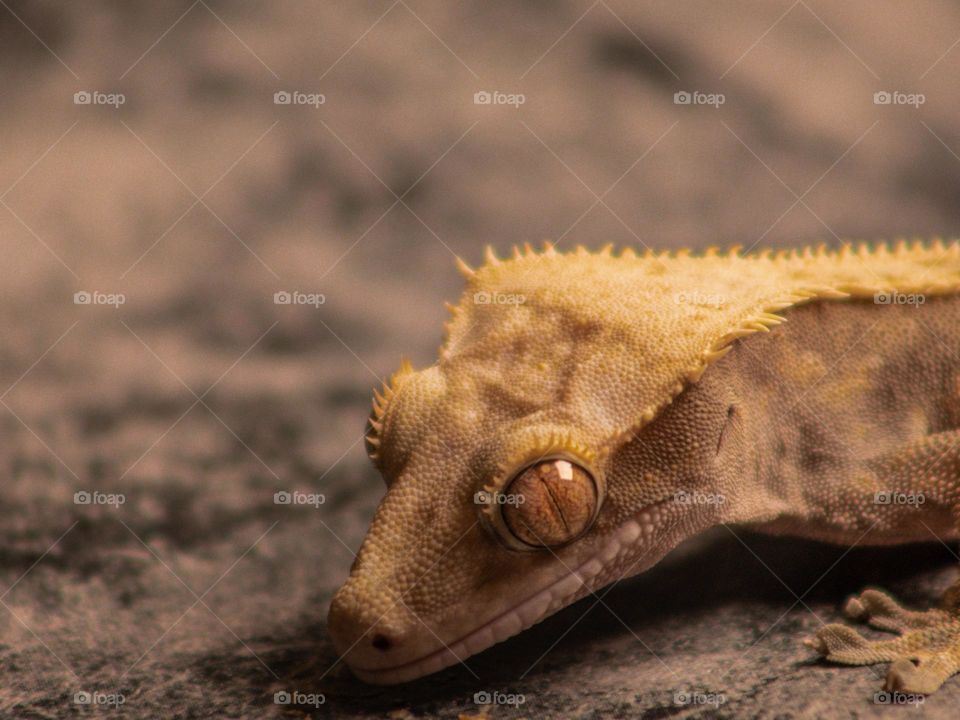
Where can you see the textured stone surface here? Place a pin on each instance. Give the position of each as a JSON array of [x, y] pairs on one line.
[[201, 597]]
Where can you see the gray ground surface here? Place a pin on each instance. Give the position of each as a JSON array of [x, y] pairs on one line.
[[199, 398]]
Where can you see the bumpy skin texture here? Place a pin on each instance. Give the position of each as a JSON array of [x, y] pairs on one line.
[[660, 378]]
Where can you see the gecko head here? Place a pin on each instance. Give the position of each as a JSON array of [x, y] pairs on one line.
[[521, 477]]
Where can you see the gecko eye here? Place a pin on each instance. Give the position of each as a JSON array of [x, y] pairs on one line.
[[550, 503]]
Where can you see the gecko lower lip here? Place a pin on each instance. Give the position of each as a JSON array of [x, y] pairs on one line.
[[516, 619]]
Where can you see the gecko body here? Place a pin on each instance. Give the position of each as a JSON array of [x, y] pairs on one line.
[[590, 411]]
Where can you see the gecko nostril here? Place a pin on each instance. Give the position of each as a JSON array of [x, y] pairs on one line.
[[382, 642]]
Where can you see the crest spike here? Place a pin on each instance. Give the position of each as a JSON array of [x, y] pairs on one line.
[[490, 257], [468, 272]]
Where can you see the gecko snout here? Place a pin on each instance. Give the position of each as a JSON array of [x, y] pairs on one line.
[[370, 635]]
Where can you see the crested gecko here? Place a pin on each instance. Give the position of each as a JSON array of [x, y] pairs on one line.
[[583, 402]]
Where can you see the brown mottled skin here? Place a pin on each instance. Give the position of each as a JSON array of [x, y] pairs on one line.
[[804, 430], [844, 401]]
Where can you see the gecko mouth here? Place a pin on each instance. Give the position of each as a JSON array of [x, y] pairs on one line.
[[555, 595]]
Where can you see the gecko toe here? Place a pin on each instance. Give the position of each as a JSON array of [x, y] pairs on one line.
[[816, 644], [855, 609], [908, 677], [882, 612], [924, 654], [842, 644]]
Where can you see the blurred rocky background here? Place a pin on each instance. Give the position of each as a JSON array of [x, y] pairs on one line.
[[166, 169]]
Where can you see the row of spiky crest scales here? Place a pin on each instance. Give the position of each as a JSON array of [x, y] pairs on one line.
[[780, 259], [923, 254], [381, 397], [898, 247]]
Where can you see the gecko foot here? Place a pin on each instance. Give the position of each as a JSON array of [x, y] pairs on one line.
[[925, 654]]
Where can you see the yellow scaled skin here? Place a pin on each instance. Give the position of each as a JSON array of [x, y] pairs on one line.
[[600, 360]]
